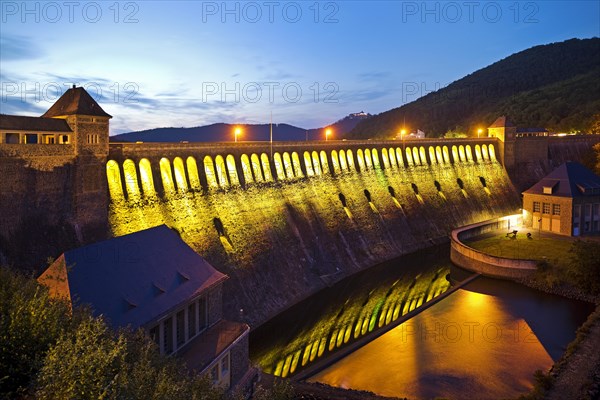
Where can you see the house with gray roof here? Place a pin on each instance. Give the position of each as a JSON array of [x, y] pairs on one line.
[[153, 280], [566, 201]]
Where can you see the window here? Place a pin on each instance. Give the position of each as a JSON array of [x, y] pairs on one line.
[[546, 208], [155, 334], [192, 320], [168, 336], [555, 209], [180, 318], [536, 206], [220, 372], [12, 138], [576, 212], [93, 139], [203, 318]]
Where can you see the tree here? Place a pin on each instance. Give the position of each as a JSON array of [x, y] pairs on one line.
[[94, 363], [30, 322], [585, 265]]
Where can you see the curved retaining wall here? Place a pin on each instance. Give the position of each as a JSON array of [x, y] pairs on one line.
[[473, 260]]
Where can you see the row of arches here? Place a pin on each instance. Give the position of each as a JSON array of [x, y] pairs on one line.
[[224, 172]]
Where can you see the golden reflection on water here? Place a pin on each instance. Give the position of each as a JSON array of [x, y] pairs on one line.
[[467, 346]]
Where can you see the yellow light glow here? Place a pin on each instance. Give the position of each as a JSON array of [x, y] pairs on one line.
[[327, 133], [237, 132]]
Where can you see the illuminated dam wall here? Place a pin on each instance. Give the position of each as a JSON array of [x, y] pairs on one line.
[[287, 220]]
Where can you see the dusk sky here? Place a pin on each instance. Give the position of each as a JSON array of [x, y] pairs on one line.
[[188, 63]]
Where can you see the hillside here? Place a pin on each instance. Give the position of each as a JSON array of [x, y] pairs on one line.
[[556, 86], [222, 132]]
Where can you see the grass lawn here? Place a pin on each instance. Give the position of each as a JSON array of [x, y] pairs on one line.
[[553, 249]]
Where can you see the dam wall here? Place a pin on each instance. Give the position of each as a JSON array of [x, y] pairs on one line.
[[286, 220]]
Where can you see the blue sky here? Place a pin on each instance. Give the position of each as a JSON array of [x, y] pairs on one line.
[[188, 63]]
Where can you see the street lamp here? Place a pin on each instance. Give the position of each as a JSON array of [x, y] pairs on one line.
[[479, 131], [237, 132], [327, 133]]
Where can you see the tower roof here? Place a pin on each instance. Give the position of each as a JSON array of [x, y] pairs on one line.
[[502, 122], [571, 179], [76, 101]]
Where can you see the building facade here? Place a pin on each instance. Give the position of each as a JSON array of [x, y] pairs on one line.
[[566, 201]]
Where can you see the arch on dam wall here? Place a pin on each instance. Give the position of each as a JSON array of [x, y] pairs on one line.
[[375, 155], [392, 157], [469, 153], [343, 161], [385, 158], [209, 171], [131, 181], [287, 165], [246, 169], [113, 176], [461, 153], [409, 158], [439, 155], [324, 163], [492, 152], [361, 160], [478, 153], [234, 179], [368, 159], [192, 170], [446, 154], [484, 152], [335, 162], [423, 155], [350, 157], [399, 157], [256, 167], [167, 176], [455, 158], [308, 164], [297, 165], [264, 160], [221, 173], [278, 167], [432, 159], [146, 177], [415, 156], [316, 164], [180, 179]]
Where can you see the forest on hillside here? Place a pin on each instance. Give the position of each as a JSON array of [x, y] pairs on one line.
[[556, 86]]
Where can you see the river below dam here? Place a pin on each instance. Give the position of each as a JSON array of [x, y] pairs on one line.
[[483, 341]]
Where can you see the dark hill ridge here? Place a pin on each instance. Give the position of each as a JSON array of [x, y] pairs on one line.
[[553, 86], [221, 132]]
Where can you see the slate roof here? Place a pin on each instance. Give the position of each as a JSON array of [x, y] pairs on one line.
[[76, 101], [501, 122], [132, 279], [571, 179], [33, 124]]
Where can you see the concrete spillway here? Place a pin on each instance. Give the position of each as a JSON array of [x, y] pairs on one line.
[[287, 223]]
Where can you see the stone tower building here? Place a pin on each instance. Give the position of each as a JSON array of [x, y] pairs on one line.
[[506, 133], [53, 169]]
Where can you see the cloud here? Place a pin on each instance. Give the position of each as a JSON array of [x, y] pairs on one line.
[[377, 76], [18, 47]]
